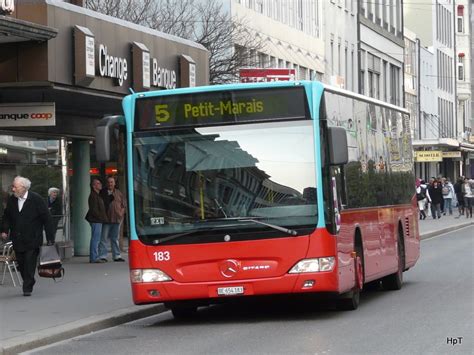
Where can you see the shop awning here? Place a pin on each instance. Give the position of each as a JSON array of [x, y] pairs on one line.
[[435, 143], [13, 30], [467, 147]]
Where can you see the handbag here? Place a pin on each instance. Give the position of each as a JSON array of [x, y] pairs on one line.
[[51, 271], [50, 265]]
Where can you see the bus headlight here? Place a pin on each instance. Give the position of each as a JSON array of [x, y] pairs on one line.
[[314, 265], [148, 275]]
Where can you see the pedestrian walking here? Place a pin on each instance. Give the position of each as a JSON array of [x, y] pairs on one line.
[[468, 193], [459, 195], [448, 195], [436, 196], [115, 208], [421, 197], [24, 219], [96, 216]]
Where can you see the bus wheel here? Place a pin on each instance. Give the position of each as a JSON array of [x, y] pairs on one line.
[[349, 301], [183, 312], [395, 280]]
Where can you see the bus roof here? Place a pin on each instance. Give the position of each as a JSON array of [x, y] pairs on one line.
[[246, 86], [363, 98]]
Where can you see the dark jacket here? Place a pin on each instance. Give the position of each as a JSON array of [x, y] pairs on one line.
[[436, 194], [55, 207], [96, 213], [56, 210], [26, 227]]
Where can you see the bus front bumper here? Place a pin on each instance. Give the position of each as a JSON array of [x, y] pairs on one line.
[[155, 292]]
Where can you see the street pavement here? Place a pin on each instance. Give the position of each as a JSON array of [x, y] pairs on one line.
[[98, 296]]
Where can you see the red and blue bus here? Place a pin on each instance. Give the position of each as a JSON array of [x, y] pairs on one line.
[[264, 189]]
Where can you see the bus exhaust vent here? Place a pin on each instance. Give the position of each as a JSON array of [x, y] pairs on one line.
[[407, 227]]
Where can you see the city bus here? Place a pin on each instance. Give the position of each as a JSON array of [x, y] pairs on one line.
[[278, 188]]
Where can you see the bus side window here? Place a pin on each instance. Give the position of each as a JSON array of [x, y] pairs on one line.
[[338, 173]]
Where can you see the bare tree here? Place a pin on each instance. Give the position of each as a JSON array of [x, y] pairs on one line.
[[231, 42]]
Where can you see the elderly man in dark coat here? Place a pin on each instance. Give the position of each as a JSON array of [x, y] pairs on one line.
[[24, 218]]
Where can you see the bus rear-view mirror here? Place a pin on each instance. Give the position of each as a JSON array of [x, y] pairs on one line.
[[337, 139], [106, 133]]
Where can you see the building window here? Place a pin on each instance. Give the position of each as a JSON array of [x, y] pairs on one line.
[[460, 25], [339, 58], [259, 6], [394, 84], [332, 56], [460, 18], [377, 13], [300, 15], [262, 60], [346, 69], [461, 67]]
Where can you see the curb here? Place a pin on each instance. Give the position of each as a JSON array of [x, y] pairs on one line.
[[73, 329], [445, 230]]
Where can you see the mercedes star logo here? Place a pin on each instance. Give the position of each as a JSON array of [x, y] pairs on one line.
[[229, 268]]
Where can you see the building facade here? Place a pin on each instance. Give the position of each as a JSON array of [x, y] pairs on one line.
[[290, 31], [381, 44], [340, 37], [411, 68], [62, 68], [463, 57], [441, 145]]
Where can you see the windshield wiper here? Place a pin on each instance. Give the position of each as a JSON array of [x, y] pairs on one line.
[[279, 228], [175, 236], [237, 219]]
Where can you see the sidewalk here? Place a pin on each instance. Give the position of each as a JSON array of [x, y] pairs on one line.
[[431, 227], [96, 296]]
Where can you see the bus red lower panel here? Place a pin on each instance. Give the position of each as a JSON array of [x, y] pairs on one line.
[[290, 283]]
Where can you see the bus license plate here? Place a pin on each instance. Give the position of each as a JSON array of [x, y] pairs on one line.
[[230, 291]]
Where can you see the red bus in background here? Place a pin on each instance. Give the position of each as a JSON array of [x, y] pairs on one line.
[[263, 189]]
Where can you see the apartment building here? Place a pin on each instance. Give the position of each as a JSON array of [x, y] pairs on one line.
[[290, 31], [381, 43]]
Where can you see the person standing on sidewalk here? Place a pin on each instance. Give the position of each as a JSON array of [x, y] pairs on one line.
[[448, 195], [96, 216], [54, 207], [436, 196], [115, 207], [25, 218], [468, 192], [459, 195]]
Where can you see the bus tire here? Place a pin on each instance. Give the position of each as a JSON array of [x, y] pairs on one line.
[[394, 281], [183, 312], [349, 301]]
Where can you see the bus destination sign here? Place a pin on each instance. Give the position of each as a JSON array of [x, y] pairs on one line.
[[221, 107]]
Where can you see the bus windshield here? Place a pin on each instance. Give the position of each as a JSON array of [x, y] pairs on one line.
[[197, 185]]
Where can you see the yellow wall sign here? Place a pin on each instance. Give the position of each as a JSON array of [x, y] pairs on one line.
[[427, 156], [451, 154]]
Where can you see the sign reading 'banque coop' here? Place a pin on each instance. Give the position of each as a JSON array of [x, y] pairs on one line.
[[27, 115]]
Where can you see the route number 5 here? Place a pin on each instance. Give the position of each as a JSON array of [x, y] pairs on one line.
[[161, 113]]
